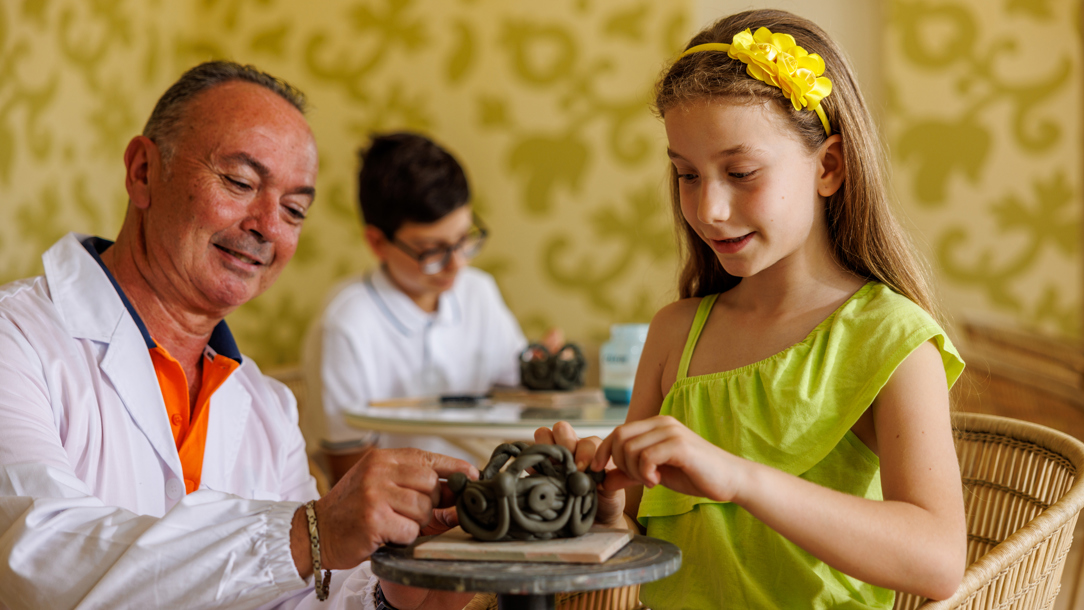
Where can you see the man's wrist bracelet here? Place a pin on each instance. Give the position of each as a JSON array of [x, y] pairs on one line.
[[322, 584]]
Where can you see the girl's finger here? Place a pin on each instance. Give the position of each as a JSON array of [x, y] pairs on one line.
[[585, 451], [633, 449], [611, 446], [663, 455], [602, 453], [543, 436], [565, 435], [616, 480], [617, 449]]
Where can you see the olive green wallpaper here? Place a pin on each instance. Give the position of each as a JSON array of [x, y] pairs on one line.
[[984, 122], [546, 105]]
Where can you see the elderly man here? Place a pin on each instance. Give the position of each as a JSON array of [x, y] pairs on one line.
[[143, 461]]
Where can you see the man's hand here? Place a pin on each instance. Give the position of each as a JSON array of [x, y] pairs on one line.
[[388, 496], [443, 520], [553, 340]]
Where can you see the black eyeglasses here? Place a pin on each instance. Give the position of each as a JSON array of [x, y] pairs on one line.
[[434, 260]]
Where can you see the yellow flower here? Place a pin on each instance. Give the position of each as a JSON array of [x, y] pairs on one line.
[[777, 59]]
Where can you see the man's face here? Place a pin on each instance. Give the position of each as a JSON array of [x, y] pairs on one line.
[[224, 218]]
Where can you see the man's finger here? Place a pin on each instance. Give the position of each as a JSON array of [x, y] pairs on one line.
[[399, 530], [436, 495], [446, 517], [445, 466], [413, 477], [443, 520], [414, 503], [447, 496]]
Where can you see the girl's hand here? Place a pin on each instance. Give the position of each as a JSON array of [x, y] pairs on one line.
[[660, 450], [611, 502]]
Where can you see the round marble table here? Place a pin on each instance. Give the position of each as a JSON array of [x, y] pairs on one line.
[[478, 428], [529, 586]]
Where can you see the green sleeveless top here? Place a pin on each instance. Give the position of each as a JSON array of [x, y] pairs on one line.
[[792, 411]]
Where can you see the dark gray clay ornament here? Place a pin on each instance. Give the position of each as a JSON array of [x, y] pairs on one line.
[[555, 501], [563, 370]]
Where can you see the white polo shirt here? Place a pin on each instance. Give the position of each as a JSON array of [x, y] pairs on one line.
[[378, 344]]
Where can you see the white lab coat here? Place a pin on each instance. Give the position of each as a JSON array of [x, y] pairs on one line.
[[92, 505]]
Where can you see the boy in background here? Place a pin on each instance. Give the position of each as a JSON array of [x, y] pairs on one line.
[[423, 323]]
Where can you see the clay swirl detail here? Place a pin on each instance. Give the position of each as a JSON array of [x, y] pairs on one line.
[[554, 501]]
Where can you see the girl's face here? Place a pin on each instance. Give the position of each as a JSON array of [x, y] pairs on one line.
[[749, 188]]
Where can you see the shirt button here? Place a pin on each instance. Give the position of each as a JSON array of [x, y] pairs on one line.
[[176, 419], [174, 489], [189, 485]]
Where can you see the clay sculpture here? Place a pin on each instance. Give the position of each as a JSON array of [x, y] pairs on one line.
[[562, 370], [554, 501]]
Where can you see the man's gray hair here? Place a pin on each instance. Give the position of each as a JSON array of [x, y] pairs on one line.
[[168, 116]]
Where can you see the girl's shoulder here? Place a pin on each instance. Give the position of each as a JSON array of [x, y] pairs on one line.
[[876, 305], [666, 338], [682, 308], [675, 319]]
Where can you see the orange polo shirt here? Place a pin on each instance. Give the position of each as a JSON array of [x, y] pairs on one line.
[[190, 427], [220, 358]]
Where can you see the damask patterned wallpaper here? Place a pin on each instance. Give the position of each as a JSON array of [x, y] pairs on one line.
[[985, 107], [546, 105]]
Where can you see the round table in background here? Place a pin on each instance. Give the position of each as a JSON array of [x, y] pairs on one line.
[[479, 427], [529, 586]]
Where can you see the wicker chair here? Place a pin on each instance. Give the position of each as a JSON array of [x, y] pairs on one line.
[[1022, 497]]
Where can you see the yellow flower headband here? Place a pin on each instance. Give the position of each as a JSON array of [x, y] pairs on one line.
[[777, 59]]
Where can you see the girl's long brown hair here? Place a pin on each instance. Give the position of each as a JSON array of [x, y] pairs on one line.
[[865, 236]]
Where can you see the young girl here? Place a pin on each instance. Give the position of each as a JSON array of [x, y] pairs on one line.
[[790, 418]]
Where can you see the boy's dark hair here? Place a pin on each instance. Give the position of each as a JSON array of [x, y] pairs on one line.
[[406, 177]]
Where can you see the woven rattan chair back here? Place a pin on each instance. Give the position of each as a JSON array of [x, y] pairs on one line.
[[1022, 495]]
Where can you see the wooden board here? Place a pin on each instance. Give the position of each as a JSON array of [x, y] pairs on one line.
[[596, 546]]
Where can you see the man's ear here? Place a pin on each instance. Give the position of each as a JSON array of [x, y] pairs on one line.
[[138, 157], [831, 169], [377, 241]]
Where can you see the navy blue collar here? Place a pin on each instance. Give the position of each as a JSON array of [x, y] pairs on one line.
[[221, 341]]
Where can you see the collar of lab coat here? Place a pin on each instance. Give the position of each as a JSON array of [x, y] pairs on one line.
[[81, 291], [91, 308], [403, 313], [221, 339]]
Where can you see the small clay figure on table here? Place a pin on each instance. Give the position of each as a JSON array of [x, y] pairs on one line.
[[562, 370]]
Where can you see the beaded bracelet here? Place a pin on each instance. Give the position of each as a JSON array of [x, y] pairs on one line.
[[322, 584]]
